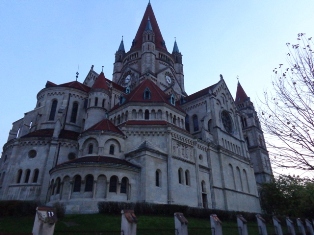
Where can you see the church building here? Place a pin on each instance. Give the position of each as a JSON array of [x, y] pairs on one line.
[[137, 137]]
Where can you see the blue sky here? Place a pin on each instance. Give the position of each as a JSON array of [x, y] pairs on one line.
[[51, 40]]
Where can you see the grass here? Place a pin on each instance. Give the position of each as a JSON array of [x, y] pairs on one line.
[[101, 222]]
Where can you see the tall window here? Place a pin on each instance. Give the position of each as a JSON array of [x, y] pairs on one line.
[[113, 184], [195, 123], [96, 101], [89, 183], [103, 103], [90, 148], [203, 186], [58, 186], [111, 149], [124, 184], [187, 177], [209, 124], [187, 123], [19, 176], [35, 177], [28, 172], [53, 110], [158, 178], [180, 176], [74, 112], [77, 184]]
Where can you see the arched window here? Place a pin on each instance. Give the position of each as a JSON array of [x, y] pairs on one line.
[[53, 110], [96, 101], [187, 178], [172, 100], [74, 112], [203, 186], [147, 94], [113, 184], [35, 177], [195, 123], [239, 180], [158, 178], [19, 176], [58, 186], [146, 114], [180, 176], [111, 149], [124, 184], [231, 175], [187, 123], [77, 183], [90, 148], [89, 183], [209, 124], [28, 172], [52, 185]]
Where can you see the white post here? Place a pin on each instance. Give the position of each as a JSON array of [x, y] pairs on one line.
[[301, 226], [261, 225], [128, 222], [45, 220], [242, 225], [277, 225], [290, 226], [215, 224], [309, 227], [180, 224]]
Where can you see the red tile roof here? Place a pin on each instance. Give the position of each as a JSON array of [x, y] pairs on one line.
[[199, 94], [74, 84], [115, 85], [241, 95], [100, 82], [64, 134], [138, 40], [99, 160], [106, 126]]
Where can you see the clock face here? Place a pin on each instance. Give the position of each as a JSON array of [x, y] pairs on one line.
[[168, 79], [127, 79]]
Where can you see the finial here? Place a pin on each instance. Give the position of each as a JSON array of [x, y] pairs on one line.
[[221, 77], [77, 73], [102, 68], [238, 77]]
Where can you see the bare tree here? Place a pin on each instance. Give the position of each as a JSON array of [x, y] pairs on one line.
[[287, 113]]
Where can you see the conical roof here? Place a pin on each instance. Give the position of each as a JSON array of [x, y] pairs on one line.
[[175, 48], [121, 47], [100, 82], [241, 95], [106, 126], [138, 40]]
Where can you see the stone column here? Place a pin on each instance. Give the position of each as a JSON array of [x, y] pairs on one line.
[[128, 222], [180, 224], [242, 225], [301, 226], [215, 224], [94, 188], [169, 166], [309, 227], [45, 220], [277, 225], [261, 225], [71, 189], [61, 190], [290, 226]]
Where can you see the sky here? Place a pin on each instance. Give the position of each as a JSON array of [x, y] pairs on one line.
[[43, 40]]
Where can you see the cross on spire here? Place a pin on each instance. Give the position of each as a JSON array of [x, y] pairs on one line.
[[77, 73]]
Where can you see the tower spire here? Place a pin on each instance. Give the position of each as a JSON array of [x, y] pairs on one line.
[[241, 95], [175, 47], [121, 46]]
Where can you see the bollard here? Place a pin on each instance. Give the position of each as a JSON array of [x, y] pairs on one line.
[[301, 226], [261, 225], [180, 224], [242, 225], [290, 226], [45, 220], [309, 227], [128, 222], [277, 225], [216, 224]]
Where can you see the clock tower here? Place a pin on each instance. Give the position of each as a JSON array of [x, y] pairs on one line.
[[149, 58]]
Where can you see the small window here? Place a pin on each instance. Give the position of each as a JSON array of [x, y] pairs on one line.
[[124, 184], [113, 184], [127, 90], [203, 187], [53, 110], [172, 100], [147, 94], [158, 175], [187, 123], [28, 172], [103, 103], [187, 178], [35, 177], [121, 100], [58, 186], [195, 123], [209, 124], [180, 176], [32, 153], [90, 148], [96, 101], [111, 149], [146, 114], [19, 176], [77, 184], [89, 183]]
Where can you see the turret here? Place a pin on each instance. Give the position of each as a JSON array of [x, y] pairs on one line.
[[178, 66], [118, 63], [98, 102], [148, 49]]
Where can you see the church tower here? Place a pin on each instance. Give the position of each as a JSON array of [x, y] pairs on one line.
[[254, 137]]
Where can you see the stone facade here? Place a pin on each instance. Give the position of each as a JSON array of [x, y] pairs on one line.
[[137, 138]]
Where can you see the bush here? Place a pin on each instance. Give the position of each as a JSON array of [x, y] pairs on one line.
[[60, 209], [18, 208]]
